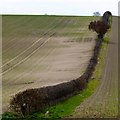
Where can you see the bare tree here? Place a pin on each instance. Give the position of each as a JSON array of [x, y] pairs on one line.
[[96, 14]]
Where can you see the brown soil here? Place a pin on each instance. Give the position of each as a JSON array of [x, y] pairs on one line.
[[61, 59]]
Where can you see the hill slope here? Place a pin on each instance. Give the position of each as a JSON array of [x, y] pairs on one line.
[[43, 50]]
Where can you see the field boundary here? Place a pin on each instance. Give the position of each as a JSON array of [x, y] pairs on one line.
[[50, 95]]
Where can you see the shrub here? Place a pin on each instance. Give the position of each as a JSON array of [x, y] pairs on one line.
[[99, 27]]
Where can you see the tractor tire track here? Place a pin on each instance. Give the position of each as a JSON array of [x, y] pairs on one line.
[[25, 58], [31, 44], [6, 67], [18, 27]]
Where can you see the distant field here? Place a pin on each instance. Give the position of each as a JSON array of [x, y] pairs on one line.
[[43, 50]]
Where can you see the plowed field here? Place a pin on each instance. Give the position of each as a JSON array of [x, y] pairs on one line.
[[43, 50]]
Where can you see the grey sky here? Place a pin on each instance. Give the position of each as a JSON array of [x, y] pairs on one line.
[[58, 7]]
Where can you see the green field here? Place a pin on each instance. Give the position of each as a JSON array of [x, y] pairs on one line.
[[43, 50]]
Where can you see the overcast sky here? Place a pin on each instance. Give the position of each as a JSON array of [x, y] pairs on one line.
[[58, 7]]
